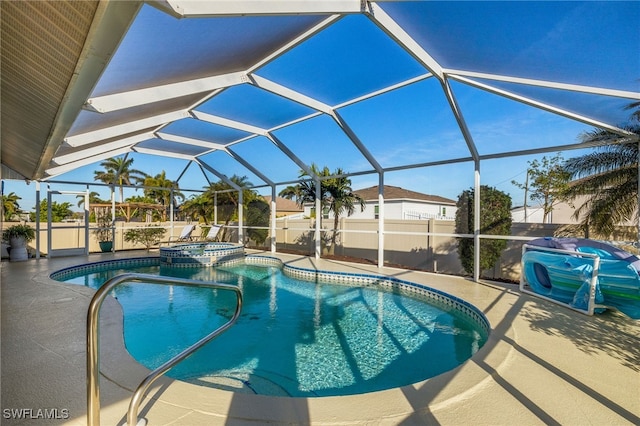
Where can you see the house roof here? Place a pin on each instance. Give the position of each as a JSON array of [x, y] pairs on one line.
[[284, 204], [397, 193]]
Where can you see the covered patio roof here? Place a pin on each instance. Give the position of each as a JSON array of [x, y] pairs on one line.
[[265, 88]]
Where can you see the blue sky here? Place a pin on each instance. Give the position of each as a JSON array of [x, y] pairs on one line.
[[412, 125]]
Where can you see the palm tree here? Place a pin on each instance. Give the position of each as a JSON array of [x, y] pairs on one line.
[[10, 205], [162, 196], [197, 207], [608, 177], [118, 171], [93, 199], [305, 190], [342, 199], [335, 194], [228, 201]]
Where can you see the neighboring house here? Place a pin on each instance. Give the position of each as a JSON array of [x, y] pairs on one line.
[[399, 203], [286, 208], [562, 214]]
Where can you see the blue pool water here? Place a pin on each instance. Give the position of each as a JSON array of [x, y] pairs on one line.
[[294, 338]]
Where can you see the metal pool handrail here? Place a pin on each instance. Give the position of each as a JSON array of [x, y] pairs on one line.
[[93, 348]]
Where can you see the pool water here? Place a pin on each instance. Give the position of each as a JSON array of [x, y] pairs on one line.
[[294, 338]]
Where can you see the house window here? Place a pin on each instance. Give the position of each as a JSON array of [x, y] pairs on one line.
[[444, 211], [376, 212], [325, 212]]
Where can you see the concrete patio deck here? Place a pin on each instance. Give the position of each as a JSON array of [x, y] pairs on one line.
[[543, 364]]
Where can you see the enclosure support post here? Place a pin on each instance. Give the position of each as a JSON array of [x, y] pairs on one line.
[[113, 218], [476, 223], [318, 245], [49, 218], [273, 218], [38, 238], [86, 221], [240, 217], [380, 220]]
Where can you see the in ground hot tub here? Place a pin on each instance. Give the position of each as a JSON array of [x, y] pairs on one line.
[[200, 254]]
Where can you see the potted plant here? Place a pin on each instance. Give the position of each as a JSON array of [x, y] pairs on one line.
[[104, 230], [18, 236]]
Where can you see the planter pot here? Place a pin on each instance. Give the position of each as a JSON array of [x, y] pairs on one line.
[[106, 246], [18, 250]]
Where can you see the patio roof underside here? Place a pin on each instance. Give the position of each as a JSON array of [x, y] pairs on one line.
[[265, 88]]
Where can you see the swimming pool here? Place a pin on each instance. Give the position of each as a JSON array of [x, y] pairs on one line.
[[295, 337]]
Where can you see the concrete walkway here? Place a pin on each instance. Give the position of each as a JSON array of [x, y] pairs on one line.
[[543, 364]]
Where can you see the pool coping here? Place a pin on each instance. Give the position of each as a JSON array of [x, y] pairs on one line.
[[119, 367]]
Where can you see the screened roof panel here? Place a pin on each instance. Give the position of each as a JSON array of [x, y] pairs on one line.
[[319, 140], [171, 147], [89, 121], [347, 60], [607, 109], [268, 159], [398, 136], [553, 41], [161, 49], [226, 165], [500, 125], [251, 105], [202, 130]]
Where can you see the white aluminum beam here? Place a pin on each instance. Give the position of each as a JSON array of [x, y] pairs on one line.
[[125, 128], [396, 32], [455, 74], [277, 142], [193, 8], [356, 141], [462, 124], [118, 101], [545, 107], [384, 90], [190, 141], [110, 146], [163, 153], [248, 165], [214, 119], [549, 108], [295, 42], [221, 176], [85, 161], [285, 92]]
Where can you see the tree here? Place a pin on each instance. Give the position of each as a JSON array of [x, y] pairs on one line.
[[93, 199], [118, 171], [10, 205], [335, 194], [59, 211], [159, 195], [548, 181], [305, 191], [495, 219], [198, 207], [227, 199], [258, 213], [608, 177]]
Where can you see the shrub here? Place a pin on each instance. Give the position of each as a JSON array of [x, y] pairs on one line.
[[495, 219], [147, 235]]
